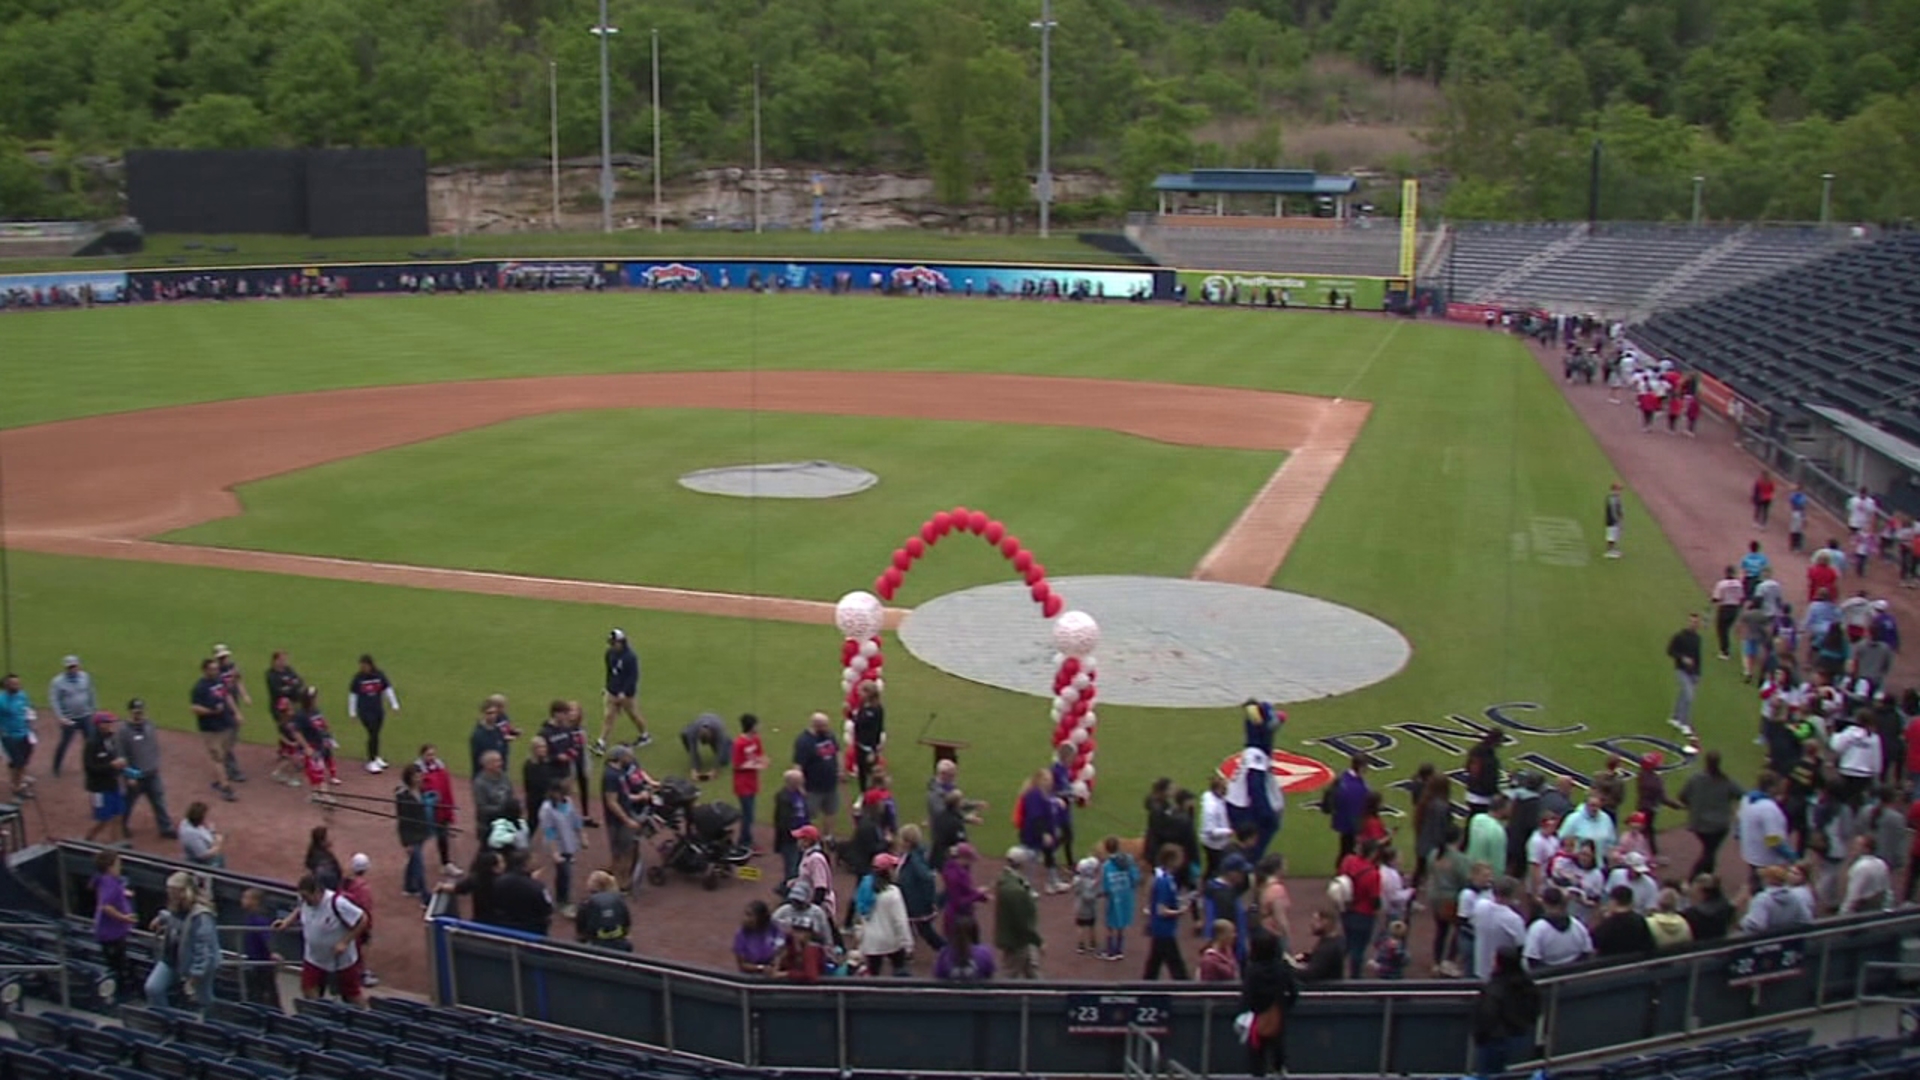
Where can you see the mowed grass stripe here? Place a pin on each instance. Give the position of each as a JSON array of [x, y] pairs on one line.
[[595, 496]]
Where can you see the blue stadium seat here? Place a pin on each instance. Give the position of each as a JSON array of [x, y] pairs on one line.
[[112, 1045], [328, 1065], [402, 1008], [1781, 1068], [245, 1069], [359, 1043], [302, 1029], [174, 1061], [277, 1050], [417, 1056], [24, 1062], [466, 1068], [221, 1038], [153, 1021], [325, 1009], [245, 1014]]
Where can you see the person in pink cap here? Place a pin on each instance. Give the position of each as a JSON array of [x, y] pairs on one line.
[[816, 870], [885, 936]]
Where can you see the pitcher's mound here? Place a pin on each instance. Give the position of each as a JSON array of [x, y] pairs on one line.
[[1168, 642], [781, 480]]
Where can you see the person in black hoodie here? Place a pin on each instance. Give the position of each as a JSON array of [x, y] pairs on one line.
[[519, 902], [1268, 991], [1504, 1015]]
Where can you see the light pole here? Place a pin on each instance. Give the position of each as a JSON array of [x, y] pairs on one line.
[[656, 130], [553, 132], [1698, 182], [1826, 197], [603, 31], [1045, 185], [756, 149]]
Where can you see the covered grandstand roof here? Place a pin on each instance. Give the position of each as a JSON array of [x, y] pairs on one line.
[[1890, 446], [1256, 182]]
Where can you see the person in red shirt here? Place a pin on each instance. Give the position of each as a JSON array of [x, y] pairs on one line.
[[1913, 851], [1649, 405], [1362, 868], [801, 959], [1675, 403], [1762, 499], [749, 757], [437, 782], [1821, 578]]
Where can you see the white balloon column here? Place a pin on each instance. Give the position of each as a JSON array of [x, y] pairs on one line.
[[860, 616], [1076, 636]]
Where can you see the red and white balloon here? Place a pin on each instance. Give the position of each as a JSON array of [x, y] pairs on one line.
[[860, 616], [1075, 637]]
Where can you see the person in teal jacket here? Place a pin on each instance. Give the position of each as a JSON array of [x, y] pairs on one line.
[[16, 733], [1120, 882]]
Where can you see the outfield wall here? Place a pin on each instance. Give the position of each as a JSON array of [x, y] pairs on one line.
[[850, 275]]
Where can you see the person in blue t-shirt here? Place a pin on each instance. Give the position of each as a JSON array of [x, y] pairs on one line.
[[1164, 908], [16, 734]]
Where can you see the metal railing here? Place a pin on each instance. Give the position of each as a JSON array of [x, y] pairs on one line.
[[1021, 1028]]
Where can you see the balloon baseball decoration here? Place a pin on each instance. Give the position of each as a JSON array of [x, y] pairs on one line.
[[859, 616]]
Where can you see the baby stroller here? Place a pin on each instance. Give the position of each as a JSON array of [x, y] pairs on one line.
[[701, 841]]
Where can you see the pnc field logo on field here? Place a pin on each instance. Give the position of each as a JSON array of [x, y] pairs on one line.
[[919, 277], [1297, 773], [671, 274]]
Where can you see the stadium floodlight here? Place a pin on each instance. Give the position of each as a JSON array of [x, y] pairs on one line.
[[1698, 183], [1826, 197], [656, 130], [603, 31], [1044, 185]]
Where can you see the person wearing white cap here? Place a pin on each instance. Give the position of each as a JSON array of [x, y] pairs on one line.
[[1634, 875], [622, 689], [359, 890], [70, 695]]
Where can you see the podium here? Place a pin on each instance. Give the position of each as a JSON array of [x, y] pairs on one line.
[[945, 750]]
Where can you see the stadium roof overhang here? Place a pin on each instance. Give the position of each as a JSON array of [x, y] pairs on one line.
[[1888, 445], [1255, 182]]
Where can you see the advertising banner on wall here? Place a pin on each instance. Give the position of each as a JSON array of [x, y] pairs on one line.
[[1295, 290], [20, 290], [962, 278]]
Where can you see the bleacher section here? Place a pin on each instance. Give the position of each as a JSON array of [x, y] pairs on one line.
[[400, 1039], [1620, 270], [1843, 331], [1313, 246]]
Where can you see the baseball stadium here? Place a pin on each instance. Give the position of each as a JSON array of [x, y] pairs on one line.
[[1471, 648]]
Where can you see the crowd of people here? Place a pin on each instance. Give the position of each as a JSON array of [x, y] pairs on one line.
[[1516, 874]]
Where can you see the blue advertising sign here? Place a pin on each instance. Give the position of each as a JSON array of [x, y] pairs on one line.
[[958, 278], [107, 285]]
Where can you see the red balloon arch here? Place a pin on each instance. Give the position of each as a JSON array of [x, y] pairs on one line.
[[1075, 634]]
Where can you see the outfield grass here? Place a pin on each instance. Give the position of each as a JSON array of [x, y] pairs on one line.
[[172, 250], [594, 496], [1468, 447]]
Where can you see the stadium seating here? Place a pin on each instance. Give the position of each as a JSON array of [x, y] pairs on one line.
[[399, 1039], [1619, 269], [1370, 249], [1842, 331]]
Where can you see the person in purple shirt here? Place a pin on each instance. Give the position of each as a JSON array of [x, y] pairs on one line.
[[1347, 804], [757, 942], [113, 916], [964, 960], [1063, 798], [1039, 825], [962, 895]]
